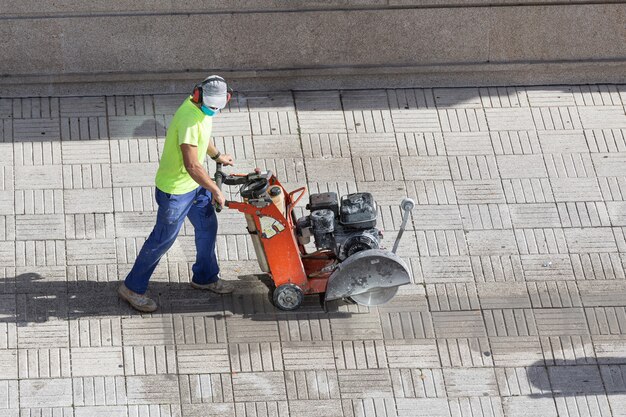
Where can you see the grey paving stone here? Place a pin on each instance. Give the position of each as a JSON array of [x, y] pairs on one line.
[[206, 388], [7, 253], [329, 170], [321, 121], [242, 330], [356, 327], [603, 293], [542, 241], [470, 382], [476, 406], [44, 363], [96, 251], [84, 128], [79, 201], [425, 168], [420, 144], [579, 379], [606, 320], [568, 350], [153, 389], [554, 294], [475, 143], [556, 142], [150, 360], [609, 349], [40, 253], [45, 392], [458, 324], [90, 226], [593, 117], [134, 175], [480, 167], [518, 166], [128, 127], [99, 391], [479, 192], [412, 354], [255, 357], [308, 355], [521, 381], [369, 407], [579, 189], [561, 321], [273, 122], [584, 214], [570, 165], [377, 168], [432, 192], [41, 227], [304, 327], [557, 118], [7, 227], [371, 383], [38, 177], [547, 268], [462, 120], [485, 216], [265, 146], [609, 164], [96, 332], [203, 359], [191, 329], [312, 385], [9, 397], [418, 383], [8, 364], [209, 410], [150, 331], [82, 106], [516, 351], [527, 190], [52, 334], [510, 322], [37, 202], [446, 269], [606, 140], [503, 295], [515, 143], [509, 119], [415, 120], [550, 96], [372, 144], [442, 243], [259, 386], [534, 215], [134, 199], [135, 150], [422, 407], [583, 405], [407, 325], [436, 217], [452, 296], [46, 129], [319, 145], [491, 242], [368, 354], [36, 154], [97, 411]]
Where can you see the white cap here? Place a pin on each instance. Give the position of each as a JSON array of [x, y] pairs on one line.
[[214, 92]]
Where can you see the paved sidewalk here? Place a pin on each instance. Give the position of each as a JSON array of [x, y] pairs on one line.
[[517, 246]]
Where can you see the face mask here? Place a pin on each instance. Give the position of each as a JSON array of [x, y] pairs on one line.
[[209, 111]]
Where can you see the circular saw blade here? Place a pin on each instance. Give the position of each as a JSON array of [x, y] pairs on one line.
[[375, 297]]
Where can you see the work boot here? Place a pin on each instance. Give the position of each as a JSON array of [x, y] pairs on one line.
[[139, 302], [220, 286]]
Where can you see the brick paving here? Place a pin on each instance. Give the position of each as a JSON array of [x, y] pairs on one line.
[[517, 247]]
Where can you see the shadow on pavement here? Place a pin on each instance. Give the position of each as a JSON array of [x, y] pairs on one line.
[[28, 298], [578, 379]]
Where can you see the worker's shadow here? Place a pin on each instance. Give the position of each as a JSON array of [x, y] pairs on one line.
[[585, 376], [29, 298]]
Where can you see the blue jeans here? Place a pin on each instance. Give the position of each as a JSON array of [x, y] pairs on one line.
[[170, 217]]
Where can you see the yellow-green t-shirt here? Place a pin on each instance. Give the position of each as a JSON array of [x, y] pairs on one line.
[[189, 126]]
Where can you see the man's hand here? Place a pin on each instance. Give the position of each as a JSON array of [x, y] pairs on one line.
[[226, 160], [218, 198]]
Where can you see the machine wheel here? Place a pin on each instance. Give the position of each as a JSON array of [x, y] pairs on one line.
[[288, 297]]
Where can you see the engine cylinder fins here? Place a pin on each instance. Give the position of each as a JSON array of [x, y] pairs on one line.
[[374, 271], [288, 297]]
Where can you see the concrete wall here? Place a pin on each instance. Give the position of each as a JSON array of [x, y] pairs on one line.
[[142, 46]]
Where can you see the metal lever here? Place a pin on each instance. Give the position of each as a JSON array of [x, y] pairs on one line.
[[219, 178], [407, 205]]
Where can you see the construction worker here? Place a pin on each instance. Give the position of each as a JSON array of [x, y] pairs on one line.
[[185, 189]]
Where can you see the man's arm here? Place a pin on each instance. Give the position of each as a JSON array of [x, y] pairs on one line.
[[217, 156], [198, 173]]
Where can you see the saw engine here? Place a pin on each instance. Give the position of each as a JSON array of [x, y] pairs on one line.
[[345, 227]]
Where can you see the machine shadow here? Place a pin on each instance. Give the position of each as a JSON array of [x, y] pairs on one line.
[[590, 376], [29, 298]]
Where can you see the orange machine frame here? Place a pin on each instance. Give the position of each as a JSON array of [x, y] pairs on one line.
[[286, 257]]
